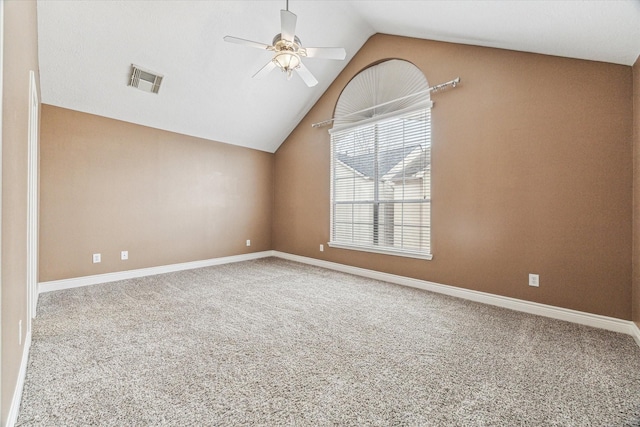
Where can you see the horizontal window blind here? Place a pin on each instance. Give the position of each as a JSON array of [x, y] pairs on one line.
[[381, 184]]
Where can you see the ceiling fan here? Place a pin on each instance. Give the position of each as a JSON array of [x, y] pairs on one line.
[[288, 50]]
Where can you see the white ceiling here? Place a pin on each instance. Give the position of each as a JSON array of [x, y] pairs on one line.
[[86, 49]]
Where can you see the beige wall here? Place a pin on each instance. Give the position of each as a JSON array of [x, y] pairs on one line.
[[636, 192], [20, 56], [109, 186], [532, 173]]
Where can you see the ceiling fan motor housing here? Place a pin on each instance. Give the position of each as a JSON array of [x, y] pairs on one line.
[[278, 38]]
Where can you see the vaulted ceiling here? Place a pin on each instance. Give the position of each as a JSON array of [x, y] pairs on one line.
[[86, 49]]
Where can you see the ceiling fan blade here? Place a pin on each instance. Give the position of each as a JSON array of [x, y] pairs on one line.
[[231, 39], [306, 75], [264, 70], [325, 52], [288, 21]]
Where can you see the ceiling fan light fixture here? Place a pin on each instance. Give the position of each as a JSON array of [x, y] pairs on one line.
[[287, 61]]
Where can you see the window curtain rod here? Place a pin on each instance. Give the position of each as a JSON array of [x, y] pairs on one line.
[[436, 88]]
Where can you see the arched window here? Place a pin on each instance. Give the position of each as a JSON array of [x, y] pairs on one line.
[[381, 162]]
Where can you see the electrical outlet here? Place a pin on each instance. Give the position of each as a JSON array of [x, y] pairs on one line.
[[248, 242], [534, 280], [124, 255], [321, 248], [20, 332], [97, 258]]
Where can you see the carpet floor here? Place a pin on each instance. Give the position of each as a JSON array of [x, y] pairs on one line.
[[272, 342]]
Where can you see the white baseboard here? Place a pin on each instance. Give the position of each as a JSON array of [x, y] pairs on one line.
[[56, 285], [574, 316], [14, 410], [635, 331]]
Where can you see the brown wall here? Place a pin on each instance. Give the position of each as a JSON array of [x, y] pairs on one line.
[[636, 192], [109, 186], [20, 56], [532, 173]]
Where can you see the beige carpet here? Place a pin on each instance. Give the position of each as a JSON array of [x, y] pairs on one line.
[[271, 342]]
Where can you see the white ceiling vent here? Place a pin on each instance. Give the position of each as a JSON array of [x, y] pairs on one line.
[[145, 80]]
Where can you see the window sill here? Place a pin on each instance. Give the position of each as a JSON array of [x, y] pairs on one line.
[[382, 251]]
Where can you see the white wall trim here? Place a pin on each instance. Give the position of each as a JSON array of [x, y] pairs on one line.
[[635, 331], [574, 316], [32, 200], [56, 285], [1, 142], [12, 416]]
